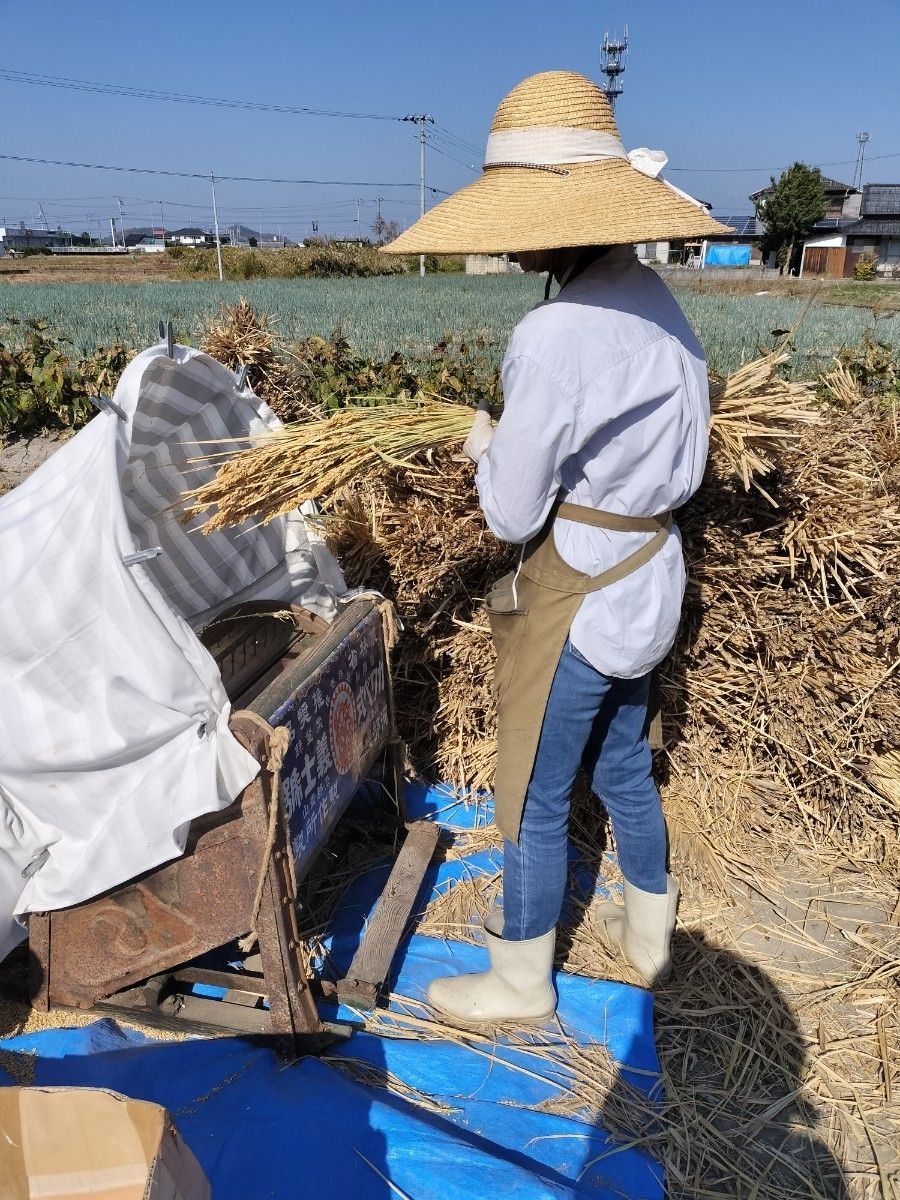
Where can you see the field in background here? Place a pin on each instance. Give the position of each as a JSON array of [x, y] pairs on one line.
[[380, 315]]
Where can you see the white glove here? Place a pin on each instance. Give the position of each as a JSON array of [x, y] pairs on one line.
[[480, 435]]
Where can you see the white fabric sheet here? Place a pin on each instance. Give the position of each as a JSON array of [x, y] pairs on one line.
[[605, 400], [113, 718]]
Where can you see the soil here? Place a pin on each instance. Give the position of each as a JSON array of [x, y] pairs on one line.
[[88, 268], [21, 455]]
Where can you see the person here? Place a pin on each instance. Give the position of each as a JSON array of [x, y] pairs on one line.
[[603, 434]]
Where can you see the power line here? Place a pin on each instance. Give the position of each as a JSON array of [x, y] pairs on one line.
[[839, 162], [452, 157], [55, 162], [115, 89], [470, 147]]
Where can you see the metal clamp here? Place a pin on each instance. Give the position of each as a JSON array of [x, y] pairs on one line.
[[129, 560], [36, 863], [107, 404], [166, 335]]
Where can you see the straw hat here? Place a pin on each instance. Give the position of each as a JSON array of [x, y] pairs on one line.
[[556, 174]]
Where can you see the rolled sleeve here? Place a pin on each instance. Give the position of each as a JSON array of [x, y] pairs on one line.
[[519, 477]]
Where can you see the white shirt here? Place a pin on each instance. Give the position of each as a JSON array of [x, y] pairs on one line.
[[605, 400]]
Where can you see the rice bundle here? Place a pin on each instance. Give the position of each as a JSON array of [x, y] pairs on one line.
[[317, 458], [753, 412]]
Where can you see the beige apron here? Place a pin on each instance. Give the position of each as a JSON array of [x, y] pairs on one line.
[[531, 612]]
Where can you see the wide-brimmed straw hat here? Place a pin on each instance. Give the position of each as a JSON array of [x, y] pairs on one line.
[[556, 174]]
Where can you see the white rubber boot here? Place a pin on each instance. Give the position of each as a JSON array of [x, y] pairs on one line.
[[518, 986], [642, 929]]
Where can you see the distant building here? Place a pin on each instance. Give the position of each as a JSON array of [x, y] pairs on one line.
[[191, 236], [875, 231], [843, 201], [150, 245], [491, 264], [19, 238], [878, 230]]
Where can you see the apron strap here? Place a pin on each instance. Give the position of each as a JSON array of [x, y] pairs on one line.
[[584, 584], [608, 520]]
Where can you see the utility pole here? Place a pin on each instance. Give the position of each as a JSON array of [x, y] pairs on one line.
[[112, 230], [862, 138], [122, 220], [358, 203], [212, 180], [376, 225], [162, 223], [421, 119]]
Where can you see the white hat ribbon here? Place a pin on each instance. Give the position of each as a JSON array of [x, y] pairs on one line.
[[546, 146]]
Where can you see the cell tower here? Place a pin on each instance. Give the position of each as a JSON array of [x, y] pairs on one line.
[[612, 64], [862, 138]]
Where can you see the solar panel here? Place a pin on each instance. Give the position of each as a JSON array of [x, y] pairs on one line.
[[743, 226]]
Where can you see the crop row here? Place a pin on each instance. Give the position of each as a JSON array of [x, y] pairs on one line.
[[381, 315]]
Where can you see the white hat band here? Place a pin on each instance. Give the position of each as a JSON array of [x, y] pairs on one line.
[[550, 146]]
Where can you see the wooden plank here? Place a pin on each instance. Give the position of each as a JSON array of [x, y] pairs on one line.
[[372, 962]]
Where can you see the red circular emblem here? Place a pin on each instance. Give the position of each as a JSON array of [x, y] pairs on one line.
[[342, 727]]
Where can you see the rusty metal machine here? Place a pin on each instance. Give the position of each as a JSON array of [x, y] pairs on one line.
[[140, 948]]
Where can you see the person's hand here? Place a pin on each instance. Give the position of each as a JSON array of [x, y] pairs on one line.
[[480, 434]]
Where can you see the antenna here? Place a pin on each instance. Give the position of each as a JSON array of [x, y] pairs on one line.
[[612, 64], [862, 138]]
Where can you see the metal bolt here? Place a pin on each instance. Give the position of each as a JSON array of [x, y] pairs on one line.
[[292, 945]]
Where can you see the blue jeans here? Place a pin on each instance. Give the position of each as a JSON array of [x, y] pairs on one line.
[[599, 721]]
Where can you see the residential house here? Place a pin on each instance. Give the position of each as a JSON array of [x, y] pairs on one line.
[[878, 230], [875, 231], [19, 238]]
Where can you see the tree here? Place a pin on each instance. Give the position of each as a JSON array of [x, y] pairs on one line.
[[384, 231], [790, 208], [252, 242]]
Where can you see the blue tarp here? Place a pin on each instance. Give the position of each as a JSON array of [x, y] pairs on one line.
[[263, 1129], [727, 256]]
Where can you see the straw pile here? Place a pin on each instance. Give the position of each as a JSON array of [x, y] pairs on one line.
[[781, 696], [240, 337], [782, 690]]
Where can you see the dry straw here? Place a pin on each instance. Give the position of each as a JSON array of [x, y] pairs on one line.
[[754, 411], [318, 458]]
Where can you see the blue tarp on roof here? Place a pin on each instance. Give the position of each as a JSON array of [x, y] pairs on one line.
[[479, 1119]]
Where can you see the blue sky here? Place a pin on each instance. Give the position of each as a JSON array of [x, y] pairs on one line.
[[718, 86]]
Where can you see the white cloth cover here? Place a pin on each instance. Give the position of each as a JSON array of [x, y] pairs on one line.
[[113, 717]]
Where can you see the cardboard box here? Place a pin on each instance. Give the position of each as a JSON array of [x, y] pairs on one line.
[[91, 1144]]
